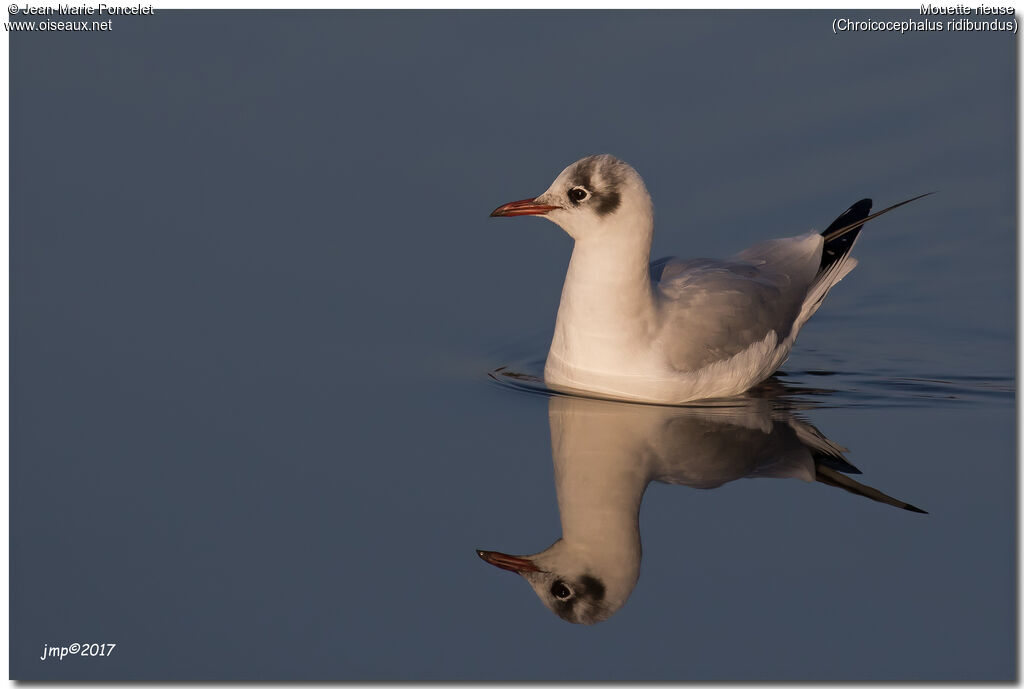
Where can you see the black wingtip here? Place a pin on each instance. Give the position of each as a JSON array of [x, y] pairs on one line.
[[830, 477], [856, 225], [840, 235], [838, 246], [856, 212], [835, 462]]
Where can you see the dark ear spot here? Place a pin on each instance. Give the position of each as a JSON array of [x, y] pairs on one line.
[[591, 587], [565, 611], [606, 202]]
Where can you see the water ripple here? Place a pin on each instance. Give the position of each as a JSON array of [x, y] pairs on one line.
[[804, 389]]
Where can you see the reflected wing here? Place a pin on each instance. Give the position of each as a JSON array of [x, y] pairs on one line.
[[830, 477]]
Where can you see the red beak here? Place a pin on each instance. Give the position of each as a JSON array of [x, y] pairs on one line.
[[509, 562], [524, 207]]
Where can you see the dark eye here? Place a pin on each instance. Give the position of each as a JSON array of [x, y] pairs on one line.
[[577, 194], [560, 590]]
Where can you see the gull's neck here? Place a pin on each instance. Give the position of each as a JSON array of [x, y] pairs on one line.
[[600, 505], [607, 305], [601, 474]]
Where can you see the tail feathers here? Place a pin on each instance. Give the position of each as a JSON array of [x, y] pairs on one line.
[[835, 462], [825, 281], [836, 262], [823, 450], [832, 234], [831, 477], [840, 244]]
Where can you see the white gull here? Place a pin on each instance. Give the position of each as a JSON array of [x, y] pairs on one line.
[[674, 330]]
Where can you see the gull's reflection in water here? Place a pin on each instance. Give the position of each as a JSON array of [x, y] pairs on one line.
[[605, 455]]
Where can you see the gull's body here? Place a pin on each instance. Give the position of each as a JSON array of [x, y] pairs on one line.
[[674, 331], [707, 328]]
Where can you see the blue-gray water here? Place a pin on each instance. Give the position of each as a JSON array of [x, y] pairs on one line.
[[256, 296]]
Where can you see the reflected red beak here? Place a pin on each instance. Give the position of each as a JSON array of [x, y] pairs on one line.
[[524, 207], [509, 562]]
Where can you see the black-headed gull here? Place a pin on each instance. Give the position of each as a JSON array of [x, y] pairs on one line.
[[605, 455], [674, 330]]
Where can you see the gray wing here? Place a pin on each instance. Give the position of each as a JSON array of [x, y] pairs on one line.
[[714, 309]]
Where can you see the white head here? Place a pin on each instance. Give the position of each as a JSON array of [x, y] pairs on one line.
[[577, 584], [594, 195]]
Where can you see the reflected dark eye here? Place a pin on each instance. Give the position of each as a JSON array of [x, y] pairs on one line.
[[577, 194], [560, 590]]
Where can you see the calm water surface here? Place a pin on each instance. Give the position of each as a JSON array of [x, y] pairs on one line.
[[256, 301]]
